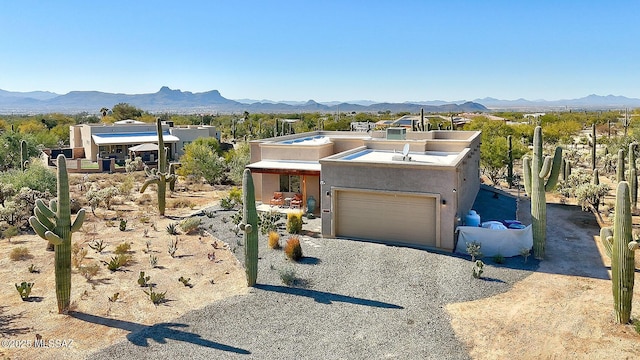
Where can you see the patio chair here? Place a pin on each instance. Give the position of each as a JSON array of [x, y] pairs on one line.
[[277, 199], [296, 202]]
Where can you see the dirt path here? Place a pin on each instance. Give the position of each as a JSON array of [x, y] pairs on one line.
[[563, 311]]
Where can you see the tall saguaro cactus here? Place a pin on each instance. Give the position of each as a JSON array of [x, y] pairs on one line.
[[249, 226], [633, 175], [510, 162], [53, 223], [159, 176], [593, 146], [24, 155], [620, 166], [620, 247], [536, 170]]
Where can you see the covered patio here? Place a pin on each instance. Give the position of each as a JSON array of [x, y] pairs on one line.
[[287, 177]]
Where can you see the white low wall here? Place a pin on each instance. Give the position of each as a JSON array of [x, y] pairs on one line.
[[507, 243]]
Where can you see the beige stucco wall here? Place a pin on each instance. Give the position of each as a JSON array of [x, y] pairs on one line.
[[295, 152]]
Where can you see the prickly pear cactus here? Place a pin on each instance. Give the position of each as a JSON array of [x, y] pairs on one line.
[[53, 223], [250, 227], [159, 176], [535, 171]]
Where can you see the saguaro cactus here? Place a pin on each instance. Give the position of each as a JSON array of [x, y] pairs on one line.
[[53, 223], [249, 226], [535, 171], [593, 146], [510, 162], [633, 176], [24, 155], [159, 175], [622, 255], [620, 166]]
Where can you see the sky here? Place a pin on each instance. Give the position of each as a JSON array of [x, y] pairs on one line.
[[393, 51]]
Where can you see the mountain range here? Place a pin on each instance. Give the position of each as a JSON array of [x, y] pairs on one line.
[[177, 101]]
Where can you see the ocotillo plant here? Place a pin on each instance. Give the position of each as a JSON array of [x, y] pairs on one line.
[[159, 175], [24, 155], [620, 166], [510, 163], [593, 146], [53, 223], [633, 176], [249, 226], [622, 256], [535, 171]]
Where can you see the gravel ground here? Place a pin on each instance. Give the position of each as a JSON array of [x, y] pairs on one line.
[[354, 300]]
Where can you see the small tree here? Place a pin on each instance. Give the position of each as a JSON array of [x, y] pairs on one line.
[[200, 160]]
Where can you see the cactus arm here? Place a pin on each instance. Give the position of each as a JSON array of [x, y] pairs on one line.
[[53, 238], [38, 227], [53, 205], [606, 238], [148, 182], [43, 219], [555, 170], [526, 165], [546, 167], [634, 245], [77, 223], [44, 209]]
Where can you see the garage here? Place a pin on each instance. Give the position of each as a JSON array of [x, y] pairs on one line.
[[386, 216]]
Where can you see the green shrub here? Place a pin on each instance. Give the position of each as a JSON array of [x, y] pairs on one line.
[[288, 276], [89, 271], [226, 203], [235, 194], [292, 248], [123, 225], [190, 225], [294, 222], [268, 221], [20, 253], [498, 259], [123, 248]]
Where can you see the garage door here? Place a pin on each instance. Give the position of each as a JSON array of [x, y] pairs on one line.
[[386, 217]]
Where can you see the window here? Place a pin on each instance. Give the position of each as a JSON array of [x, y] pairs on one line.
[[290, 183]]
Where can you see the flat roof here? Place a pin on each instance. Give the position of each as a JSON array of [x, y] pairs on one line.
[[132, 138], [286, 167], [386, 156], [308, 140]]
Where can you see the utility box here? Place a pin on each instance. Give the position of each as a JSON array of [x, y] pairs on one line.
[[396, 134]]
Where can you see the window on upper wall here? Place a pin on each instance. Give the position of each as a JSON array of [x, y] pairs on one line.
[[290, 183]]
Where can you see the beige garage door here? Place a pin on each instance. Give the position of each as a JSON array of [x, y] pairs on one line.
[[386, 217]]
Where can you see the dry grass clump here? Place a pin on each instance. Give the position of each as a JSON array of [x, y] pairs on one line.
[[190, 225], [144, 199], [20, 253], [274, 240], [89, 271], [180, 204], [292, 248]]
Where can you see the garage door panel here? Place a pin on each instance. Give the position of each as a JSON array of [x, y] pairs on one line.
[[386, 217]]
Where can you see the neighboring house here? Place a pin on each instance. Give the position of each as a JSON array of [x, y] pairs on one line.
[[366, 186], [128, 137]]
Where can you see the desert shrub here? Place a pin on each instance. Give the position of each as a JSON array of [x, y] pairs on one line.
[[235, 194], [288, 276], [294, 222], [292, 248], [10, 232], [498, 259], [20, 253], [126, 186], [37, 177], [473, 249], [145, 199], [268, 221], [133, 165], [89, 271], [190, 225], [78, 253], [226, 203], [123, 248], [274, 240], [181, 203]]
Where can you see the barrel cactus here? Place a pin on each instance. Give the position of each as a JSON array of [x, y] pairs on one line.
[[620, 247], [536, 170], [249, 226], [159, 176], [53, 223]]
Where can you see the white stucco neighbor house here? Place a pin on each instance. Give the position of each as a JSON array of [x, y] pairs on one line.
[[93, 141], [411, 189]]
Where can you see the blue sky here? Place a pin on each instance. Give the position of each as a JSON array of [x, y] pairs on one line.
[[325, 50]]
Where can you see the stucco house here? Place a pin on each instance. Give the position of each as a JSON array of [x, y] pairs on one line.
[[93, 141], [409, 191]]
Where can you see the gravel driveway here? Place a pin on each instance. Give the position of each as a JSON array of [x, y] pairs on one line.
[[358, 300]]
